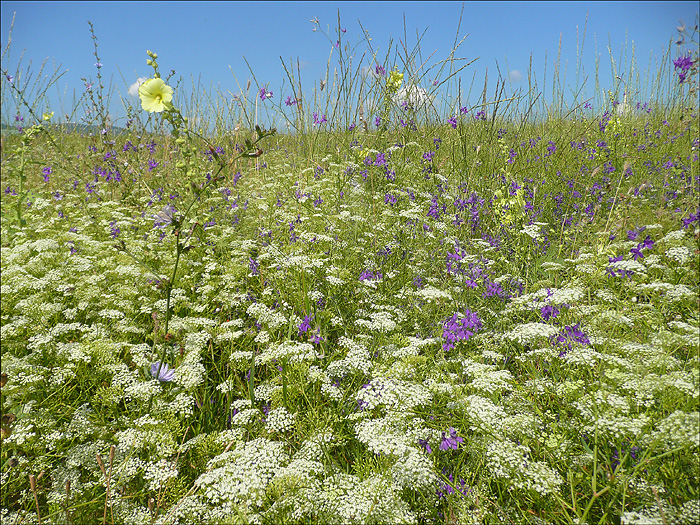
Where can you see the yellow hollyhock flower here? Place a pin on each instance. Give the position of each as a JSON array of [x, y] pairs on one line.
[[155, 95], [394, 82]]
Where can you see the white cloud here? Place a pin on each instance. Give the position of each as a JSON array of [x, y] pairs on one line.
[[134, 88], [516, 76]]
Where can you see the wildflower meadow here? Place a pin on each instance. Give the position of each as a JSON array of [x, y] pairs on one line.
[[410, 310]]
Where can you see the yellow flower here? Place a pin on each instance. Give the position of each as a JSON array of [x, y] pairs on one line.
[[155, 95], [48, 116], [394, 82]]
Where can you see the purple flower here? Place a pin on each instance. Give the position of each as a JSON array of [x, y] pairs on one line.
[[115, 231], [426, 444], [683, 64], [47, 171], [647, 243], [264, 94], [691, 219], [316, 338], [637, 252], [10, 78], [379, 71], [567, 336], [549, 311], [455, 329], [166, 216], [452, 122], [98, 65], [166, 373], [253, 265], [319, 121], [368, 275], [305, 325], [289, 101], [451, 441]]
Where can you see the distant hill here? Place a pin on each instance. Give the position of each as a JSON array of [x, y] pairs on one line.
[[70, 127]]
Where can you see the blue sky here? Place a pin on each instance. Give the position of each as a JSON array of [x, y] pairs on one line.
[[200, 40]]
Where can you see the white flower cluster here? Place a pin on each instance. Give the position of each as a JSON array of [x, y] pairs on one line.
[[384, 436], [242, 475], [189, 374], [183, 404], [344, 499], [533, 231], [312, 448], [680, 292], [280, 420], [673, 237], [483, 415], [379, 322], [618, 426], [430, 293], [157, 474], [413, 470], [629, 265], [531, 332], [392, 394], [680, 254], [133, 440], [356, 360], [510, 461], [245, 416], [315, 374], [679, 429], [293, 351], [266, 316]]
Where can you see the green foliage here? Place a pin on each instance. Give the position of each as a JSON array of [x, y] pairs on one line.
[[302, 291]]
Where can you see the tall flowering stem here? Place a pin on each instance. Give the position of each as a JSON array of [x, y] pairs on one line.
[[156, 97]]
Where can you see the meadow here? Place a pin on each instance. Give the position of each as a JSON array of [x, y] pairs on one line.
[[389, 314]]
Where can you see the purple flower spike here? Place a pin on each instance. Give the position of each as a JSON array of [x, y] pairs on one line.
[[451, 441]]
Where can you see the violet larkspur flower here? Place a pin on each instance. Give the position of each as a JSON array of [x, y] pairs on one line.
[[452, 122], [46, 171], [567, 336], [265, 94], [166, 373], [455, 329], [316, 338], [369, 275], [683, 64], [426, 444], [305, 325], [289, 101], [549, 311], [691, 219], [647, 243], [253, 265], [451, 441]]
